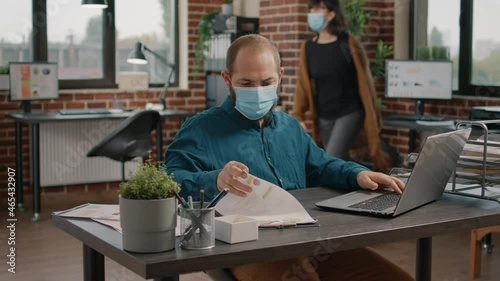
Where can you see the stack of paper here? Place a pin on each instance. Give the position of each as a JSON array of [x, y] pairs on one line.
[[107, 214], [269, 204]]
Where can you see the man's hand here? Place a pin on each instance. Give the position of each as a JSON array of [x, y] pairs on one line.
[[373, 181], [228, 178]]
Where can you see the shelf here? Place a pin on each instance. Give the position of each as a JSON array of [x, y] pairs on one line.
[[478, 170]]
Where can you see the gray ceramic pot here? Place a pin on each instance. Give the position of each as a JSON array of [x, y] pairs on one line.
[[148, 226]]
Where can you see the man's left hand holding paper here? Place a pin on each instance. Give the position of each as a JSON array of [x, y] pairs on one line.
[[228, 178]]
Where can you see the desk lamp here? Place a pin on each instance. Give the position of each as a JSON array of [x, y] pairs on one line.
[[136, 56], [101, 4]]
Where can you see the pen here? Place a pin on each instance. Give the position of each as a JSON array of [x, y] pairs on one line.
[[202, 198], [181, 200], [218, 198], [190, 201]]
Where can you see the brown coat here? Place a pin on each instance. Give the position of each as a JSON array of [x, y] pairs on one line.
[[304, 101]]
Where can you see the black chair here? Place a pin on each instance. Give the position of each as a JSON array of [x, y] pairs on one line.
[[132, 138]]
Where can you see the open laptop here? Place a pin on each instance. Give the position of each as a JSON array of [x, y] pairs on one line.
[[426, 183]]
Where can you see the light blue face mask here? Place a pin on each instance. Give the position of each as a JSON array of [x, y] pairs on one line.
[[316, 21], [255, 102]]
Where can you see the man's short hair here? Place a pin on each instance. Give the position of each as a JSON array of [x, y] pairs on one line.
[[254, 41]]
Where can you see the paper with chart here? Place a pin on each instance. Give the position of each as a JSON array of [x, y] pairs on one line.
[[269, 204]]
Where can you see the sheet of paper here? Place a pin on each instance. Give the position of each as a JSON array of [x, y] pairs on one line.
[[492, 151], [267, 203], [91, 211], [107, 214]]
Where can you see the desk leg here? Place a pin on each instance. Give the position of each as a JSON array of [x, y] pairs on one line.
[[159, 140], [93, 264], [19, 166], [424, 259], [35, 171]]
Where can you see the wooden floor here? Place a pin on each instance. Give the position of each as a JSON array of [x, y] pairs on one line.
[[45, 253]]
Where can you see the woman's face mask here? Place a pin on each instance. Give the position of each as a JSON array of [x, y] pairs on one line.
[[255, 102], [316, 21]]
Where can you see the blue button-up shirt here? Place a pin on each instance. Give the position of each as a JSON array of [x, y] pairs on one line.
[[281, 152]]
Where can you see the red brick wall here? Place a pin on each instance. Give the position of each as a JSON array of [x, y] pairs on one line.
[[181, 100]]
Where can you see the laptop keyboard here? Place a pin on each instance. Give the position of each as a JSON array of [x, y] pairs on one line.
[[378, 203]]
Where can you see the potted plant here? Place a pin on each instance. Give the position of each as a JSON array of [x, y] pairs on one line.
[[205, 32], [148, 209], [4, 77]]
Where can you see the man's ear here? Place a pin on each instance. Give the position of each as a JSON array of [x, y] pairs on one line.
[[282, 71], [227, 78]]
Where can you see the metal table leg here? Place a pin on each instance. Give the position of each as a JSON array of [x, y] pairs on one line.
[[19, 166], [424, 259], [35, 171], [487, 243], [93, 264], [159, 141]]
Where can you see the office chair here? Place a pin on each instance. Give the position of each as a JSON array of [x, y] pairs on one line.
[[132, 138]]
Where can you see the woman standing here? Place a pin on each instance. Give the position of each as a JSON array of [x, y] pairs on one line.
[[334, 83]]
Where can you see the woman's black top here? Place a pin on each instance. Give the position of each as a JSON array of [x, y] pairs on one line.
[[332, 69]]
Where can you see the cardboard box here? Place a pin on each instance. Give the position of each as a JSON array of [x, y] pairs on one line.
[[132, 81], [235, 229]]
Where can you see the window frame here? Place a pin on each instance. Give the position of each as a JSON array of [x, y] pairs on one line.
[[465, 87], [40, 47]]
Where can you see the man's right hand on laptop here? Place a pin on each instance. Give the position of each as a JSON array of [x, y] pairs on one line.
[[373, 181]]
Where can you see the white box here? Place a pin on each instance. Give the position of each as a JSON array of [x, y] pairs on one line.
[[130, 80], [235, 229]]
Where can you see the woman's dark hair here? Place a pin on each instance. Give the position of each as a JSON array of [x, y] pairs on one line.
[[338, 25]]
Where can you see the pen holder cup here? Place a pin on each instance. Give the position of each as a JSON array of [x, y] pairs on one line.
[[197, 227]]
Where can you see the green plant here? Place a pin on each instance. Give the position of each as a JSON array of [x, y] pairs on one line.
[[205, 32], [356, 16], [149, 182], [424, 53], [378, 66], [228, 1], [4, 69]]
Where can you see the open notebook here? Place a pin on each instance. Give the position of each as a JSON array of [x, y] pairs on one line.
[[269, 204]]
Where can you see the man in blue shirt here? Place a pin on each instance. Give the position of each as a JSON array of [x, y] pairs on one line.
[[244, 135]]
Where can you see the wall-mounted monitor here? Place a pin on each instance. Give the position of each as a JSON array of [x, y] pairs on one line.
[[33, 81], [419, 79]]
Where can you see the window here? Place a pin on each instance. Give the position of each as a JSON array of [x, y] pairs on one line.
[[438, 37], [159, 36], [467, 35], [82, 41], [485, 43], [75, 40], [15, 34]]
